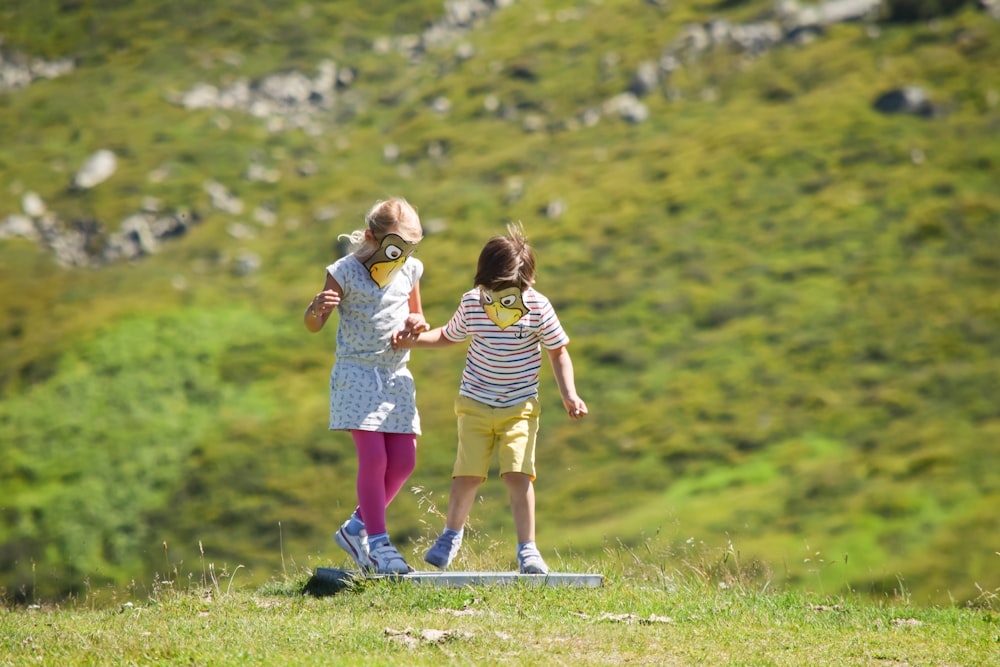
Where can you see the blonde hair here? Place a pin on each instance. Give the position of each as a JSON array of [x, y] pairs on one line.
[[393, 215], [507, 261]]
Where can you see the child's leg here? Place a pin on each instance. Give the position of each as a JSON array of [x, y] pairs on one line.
[[522, 504], [463, 495], [472, 461], [401, 459], [372, 463]]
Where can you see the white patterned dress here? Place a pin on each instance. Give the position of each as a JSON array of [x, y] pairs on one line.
[[371, 388]]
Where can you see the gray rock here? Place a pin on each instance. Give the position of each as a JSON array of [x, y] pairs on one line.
[[98, 168], [241, 231], [201, 96], [911, 100], [646, 78], [991, 7], [265, 216], [554, 209], [247, 263], [627, 107], [18, 226], [795, 16], [134, 240], [222, 199], [32, 205]]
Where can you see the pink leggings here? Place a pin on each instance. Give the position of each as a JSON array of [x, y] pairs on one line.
[[385, 461]]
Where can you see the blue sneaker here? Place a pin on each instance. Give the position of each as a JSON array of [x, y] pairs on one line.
[[355, 545], [387, 560], [444, 550], [530, 561]]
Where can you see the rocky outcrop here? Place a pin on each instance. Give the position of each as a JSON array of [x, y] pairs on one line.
[[310, 101], [20, 71], [284, 100], [461, 16], [83, 242]]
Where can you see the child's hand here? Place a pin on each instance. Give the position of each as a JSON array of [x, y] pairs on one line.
[[403, 339], [415, 323], [324, 302], [575, 407]]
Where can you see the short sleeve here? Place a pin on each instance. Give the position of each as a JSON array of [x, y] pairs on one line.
[[457, 328], [550, 330], [339, 272]]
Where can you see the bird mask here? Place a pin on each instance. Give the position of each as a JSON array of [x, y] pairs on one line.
[[385, 262], [503, 306]]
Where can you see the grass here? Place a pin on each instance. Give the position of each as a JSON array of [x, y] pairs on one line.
[[659, 606], [783, 305]]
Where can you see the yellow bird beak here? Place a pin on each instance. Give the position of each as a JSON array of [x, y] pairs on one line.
[[503, 317], [384, 272]]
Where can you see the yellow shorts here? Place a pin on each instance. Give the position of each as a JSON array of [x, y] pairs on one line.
[[482, 428]]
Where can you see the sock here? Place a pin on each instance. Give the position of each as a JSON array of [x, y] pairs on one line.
[[455, 535], [355, 525], [521, 546], [378, 540]]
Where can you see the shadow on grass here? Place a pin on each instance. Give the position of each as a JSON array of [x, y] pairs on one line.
[[327, 581]]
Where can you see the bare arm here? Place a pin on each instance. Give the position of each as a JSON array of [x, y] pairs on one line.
[[415, 322], [562, 368], [427, 339], [322, 305]]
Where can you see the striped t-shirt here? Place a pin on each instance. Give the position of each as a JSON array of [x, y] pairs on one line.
[[502, 365]]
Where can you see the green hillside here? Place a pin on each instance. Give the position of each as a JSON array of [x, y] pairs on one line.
[[782, 300]]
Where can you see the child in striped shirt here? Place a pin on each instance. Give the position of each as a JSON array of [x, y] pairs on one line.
[[509, 323]]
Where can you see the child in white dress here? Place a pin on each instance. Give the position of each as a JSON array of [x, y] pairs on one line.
[[376, 289]]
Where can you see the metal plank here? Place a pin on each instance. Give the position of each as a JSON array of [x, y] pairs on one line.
[[342, 578]]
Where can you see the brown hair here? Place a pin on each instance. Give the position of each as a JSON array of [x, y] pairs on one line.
[[506, 261]]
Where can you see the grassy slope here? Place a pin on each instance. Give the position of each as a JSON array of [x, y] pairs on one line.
[[639, 616], [783, 323]]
